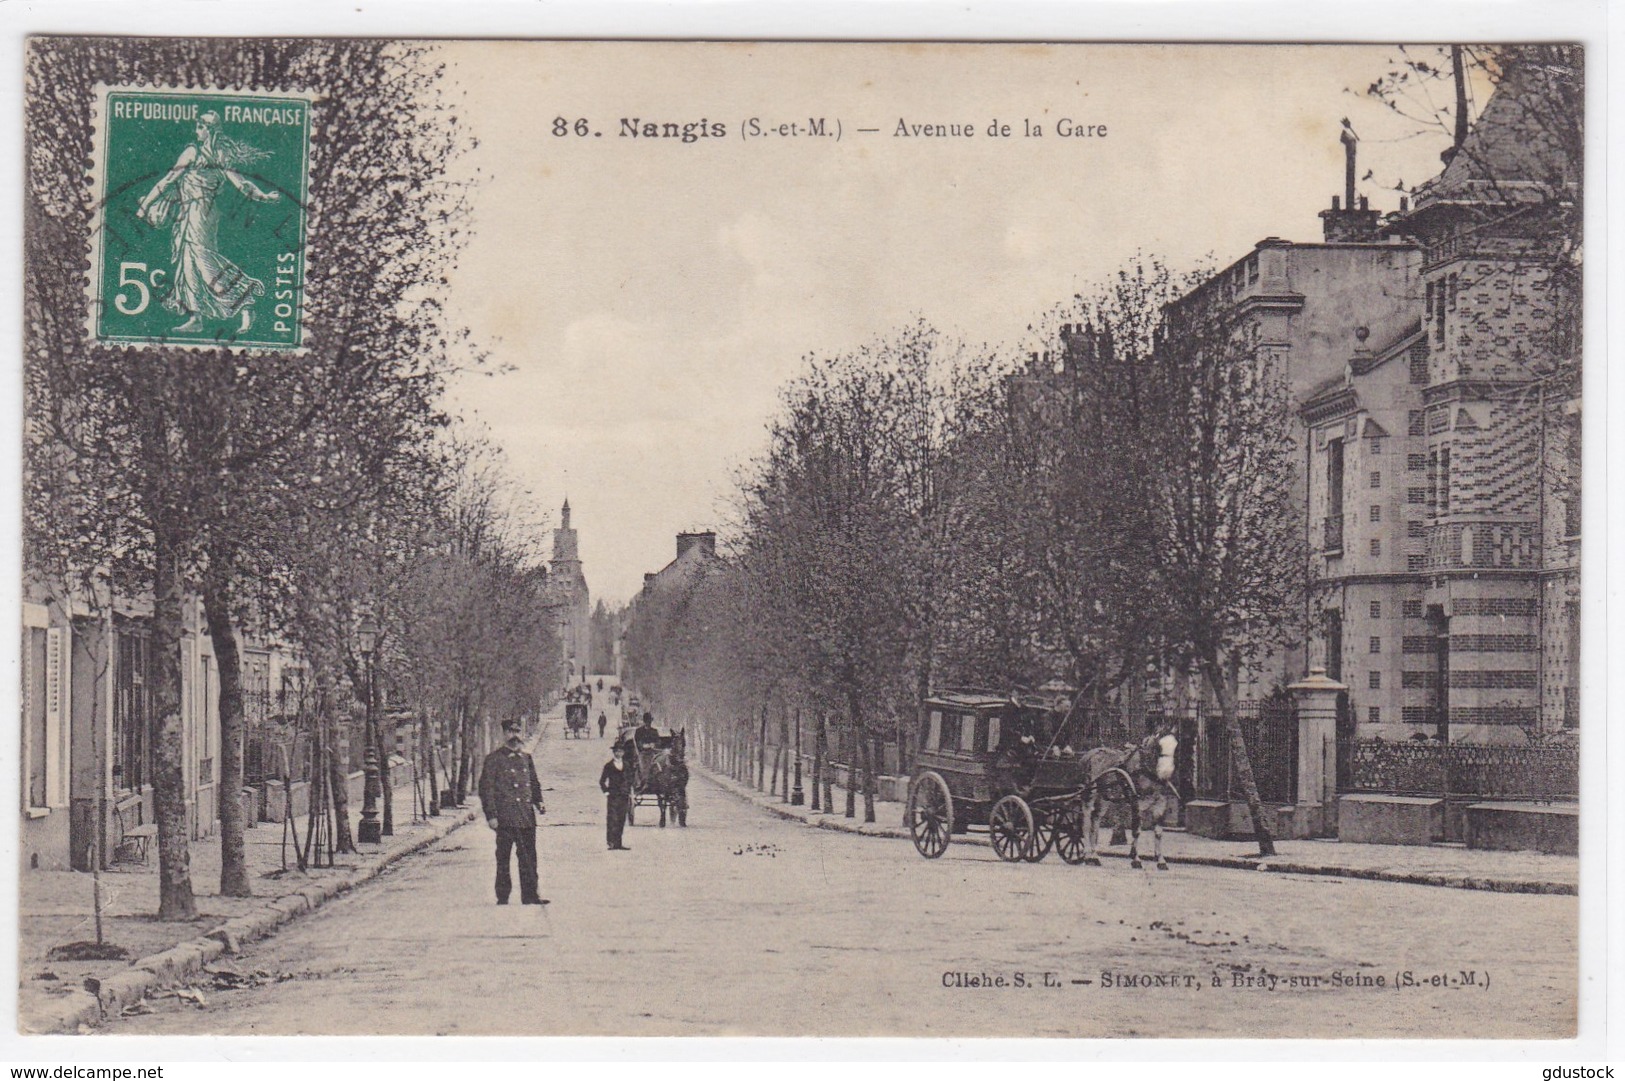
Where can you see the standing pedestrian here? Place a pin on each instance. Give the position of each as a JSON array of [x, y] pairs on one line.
[[603, 723], [511, 797], [615, 781]]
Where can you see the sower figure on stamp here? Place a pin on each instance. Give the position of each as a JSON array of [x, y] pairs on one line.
[[615, 781], [206, 284], [511, 797]]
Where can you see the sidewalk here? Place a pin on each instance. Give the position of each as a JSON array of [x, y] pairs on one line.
[[56, 908], [1427, 865]]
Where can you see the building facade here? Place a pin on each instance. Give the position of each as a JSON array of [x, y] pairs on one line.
[[1444, 501], [1433, 357], [89, 724]]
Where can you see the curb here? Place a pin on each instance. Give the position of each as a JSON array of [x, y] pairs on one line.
[[1236, 863], [81, 1010]]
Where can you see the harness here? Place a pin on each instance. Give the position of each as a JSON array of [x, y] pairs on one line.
[[1162, 771]]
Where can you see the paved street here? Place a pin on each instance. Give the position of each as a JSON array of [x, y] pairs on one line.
[[746, 924]]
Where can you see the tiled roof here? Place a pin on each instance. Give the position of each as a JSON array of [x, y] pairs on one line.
[[1515, 151]]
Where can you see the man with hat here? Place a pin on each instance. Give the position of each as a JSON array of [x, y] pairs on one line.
[[615, 781], [646, 734], [511, 797]]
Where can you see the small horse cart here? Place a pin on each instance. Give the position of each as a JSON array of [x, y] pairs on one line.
[[1010, 763], [575, 720], [660, 776]]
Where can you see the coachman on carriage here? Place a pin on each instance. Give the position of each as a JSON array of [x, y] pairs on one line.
[[659, 774], [1017, 765]]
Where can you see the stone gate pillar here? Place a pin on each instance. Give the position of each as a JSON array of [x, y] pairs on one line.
[[1316, 698]]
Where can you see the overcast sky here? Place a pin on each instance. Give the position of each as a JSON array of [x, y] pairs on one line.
[[651, 296]]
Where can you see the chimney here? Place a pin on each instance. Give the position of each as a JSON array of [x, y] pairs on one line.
[[1349, 141], [1351, 219], [706, 542]]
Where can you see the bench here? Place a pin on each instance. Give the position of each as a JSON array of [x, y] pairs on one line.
[[133, 840]]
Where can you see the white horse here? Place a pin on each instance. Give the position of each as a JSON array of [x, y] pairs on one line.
[[1140, 779]]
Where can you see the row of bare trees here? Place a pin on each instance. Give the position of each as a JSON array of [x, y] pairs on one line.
[[299, 495], [928, 514]]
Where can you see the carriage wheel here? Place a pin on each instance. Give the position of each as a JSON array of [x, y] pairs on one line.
[[1066, 830], [1043, 834], [1011, 825], [930, 814]]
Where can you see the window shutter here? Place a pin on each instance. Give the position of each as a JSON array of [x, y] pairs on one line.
[[56, 730]]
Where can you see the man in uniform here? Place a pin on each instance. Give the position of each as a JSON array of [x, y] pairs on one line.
[[511, 797], [615, 781]]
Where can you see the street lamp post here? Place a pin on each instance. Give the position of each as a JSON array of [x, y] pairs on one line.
[[797, 796], [370, 830]]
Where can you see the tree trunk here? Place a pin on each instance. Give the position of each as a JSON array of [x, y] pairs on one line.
[[825, 770], [175, 898], [907, 746], [465, 760], [428, 752], [316, 792], [786, 751], [337, 775], [454, 737], [817, 763], [1239, 757], [849, 752], [461, 789], [385, 748], [862, 758], [867, 744], [338, 780], [234, 880], [761, 750]]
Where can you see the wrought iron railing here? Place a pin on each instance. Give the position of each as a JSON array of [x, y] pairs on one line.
[[1334, 533], [1270, 730], [1546, 773]]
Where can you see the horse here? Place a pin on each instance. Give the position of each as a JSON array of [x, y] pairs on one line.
[[664, 773], [1148, 768]]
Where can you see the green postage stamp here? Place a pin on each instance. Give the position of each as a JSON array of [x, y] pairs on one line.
[[199, 230]]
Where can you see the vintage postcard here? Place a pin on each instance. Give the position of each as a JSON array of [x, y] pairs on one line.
[[788, 539]]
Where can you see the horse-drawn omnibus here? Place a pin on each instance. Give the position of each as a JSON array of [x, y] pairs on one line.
[[1016, 764]]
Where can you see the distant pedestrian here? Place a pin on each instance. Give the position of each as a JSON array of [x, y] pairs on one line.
[[511, 796], [615, 781], [603, 723]]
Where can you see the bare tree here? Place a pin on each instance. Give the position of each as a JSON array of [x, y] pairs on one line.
[[183, 429], [1216, 428]]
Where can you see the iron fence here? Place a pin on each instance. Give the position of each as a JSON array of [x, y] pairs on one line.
[[1543, 773], [1270, 730], [1204, 762]]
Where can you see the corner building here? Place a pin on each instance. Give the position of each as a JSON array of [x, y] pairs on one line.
[[1444, 481]]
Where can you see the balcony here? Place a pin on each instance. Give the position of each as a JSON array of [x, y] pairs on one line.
[[1334, 535]]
